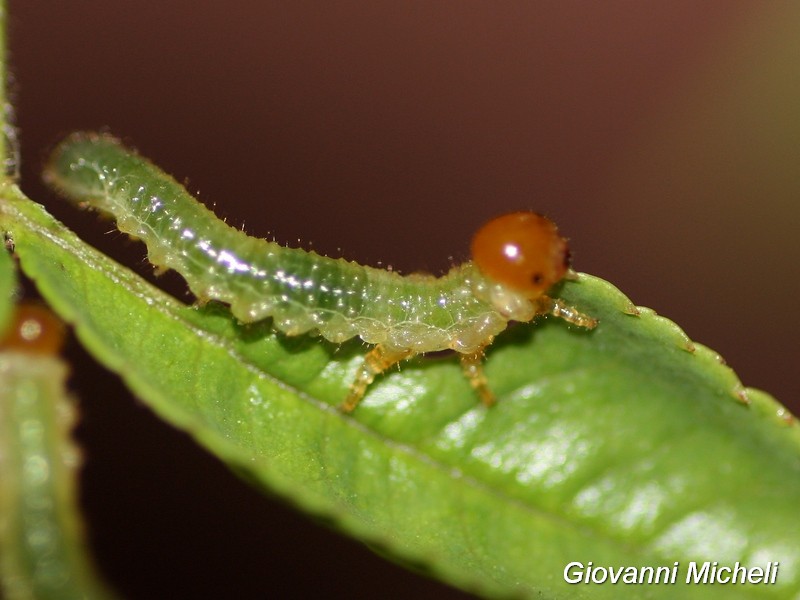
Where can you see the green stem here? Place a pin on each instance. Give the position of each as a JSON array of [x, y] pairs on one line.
[[9, 150], [3, 84]]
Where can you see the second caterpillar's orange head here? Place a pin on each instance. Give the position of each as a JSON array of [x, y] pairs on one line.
[[522, 251]]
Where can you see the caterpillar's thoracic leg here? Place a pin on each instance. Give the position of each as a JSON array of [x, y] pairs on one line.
[[558, 308], [375, 362], [472, 365]]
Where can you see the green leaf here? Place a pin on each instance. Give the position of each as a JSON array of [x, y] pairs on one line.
[[8, 287], [627, 445]]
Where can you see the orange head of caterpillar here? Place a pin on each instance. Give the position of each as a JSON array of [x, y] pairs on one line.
[[522, 252], [34, 330]]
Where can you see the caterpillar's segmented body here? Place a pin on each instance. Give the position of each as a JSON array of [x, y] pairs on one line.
[[302, 291]]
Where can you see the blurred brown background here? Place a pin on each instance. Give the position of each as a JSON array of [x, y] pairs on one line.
[[663, 137]]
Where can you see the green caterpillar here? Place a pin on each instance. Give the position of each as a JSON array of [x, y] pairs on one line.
[[516, 259]]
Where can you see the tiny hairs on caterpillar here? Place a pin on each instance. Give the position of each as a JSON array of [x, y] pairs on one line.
[[516, 259]]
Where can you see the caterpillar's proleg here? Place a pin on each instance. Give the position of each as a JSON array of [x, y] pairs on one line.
[[375, 362]]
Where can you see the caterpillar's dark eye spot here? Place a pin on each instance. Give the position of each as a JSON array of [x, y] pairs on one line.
[[567, 258]]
